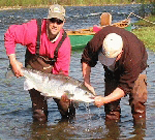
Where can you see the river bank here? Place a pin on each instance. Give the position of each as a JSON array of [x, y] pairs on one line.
[[146, 32]]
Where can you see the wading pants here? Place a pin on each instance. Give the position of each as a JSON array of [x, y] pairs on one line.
[[137, 98], [40, 109]]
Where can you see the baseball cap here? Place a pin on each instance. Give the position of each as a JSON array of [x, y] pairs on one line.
[[111, 48], [56, 11]]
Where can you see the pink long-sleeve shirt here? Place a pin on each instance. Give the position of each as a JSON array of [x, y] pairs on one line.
[[26, 35]]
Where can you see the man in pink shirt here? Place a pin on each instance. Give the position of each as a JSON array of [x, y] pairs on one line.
[[51, 33]]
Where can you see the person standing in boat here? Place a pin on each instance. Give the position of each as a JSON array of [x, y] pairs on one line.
[[48, 50], [124, 59]]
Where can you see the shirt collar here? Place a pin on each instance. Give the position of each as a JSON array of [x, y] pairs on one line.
[[55, 39]]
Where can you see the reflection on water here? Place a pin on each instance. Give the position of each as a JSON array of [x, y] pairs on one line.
[[15, 105]]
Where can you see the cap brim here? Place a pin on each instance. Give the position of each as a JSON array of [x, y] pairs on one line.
[[105, 60]]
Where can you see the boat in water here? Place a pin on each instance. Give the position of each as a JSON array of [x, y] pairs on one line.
[[80, 37]]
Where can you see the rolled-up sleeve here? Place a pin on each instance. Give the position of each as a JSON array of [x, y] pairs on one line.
[[88, 56]]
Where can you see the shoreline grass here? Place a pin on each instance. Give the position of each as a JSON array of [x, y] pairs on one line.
[[146, 32]]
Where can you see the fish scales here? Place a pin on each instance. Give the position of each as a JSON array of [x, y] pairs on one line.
[[51, 85]]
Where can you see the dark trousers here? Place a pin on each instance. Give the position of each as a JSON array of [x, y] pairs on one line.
[[40, 108], [137, 98]]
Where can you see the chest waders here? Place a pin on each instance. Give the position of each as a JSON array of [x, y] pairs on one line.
[[137, 97]]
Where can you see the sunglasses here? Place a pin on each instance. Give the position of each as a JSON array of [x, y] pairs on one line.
[[55, 20]]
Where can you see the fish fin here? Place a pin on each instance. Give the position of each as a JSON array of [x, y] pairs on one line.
[[46, 95], [28, 85], [68, 93]]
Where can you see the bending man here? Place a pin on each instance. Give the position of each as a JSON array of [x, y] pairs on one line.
[[124, 59]]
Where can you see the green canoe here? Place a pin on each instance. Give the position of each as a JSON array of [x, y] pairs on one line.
[[79, 41], [80, 38]]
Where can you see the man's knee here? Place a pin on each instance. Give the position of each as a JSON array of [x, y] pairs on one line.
[[66, 109], [113, 110], [138, 98], [39, 106], [40, 115]]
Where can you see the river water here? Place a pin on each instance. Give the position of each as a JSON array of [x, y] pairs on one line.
[[15, 106]]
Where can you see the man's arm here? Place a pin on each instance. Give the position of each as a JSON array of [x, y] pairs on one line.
[[16, 65], [22, 34], [115, 95], [86, 70]]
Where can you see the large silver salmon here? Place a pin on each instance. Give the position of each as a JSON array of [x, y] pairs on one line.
[[51, 85]]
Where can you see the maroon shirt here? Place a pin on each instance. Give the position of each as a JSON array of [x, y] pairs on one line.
[[132, 62]]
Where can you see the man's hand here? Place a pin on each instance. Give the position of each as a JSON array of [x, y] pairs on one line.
[[86, 69], [90, 88], [16, 66], [99, 101], [64, 98]]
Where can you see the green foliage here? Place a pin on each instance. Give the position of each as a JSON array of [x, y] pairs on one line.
[[153, 8]]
